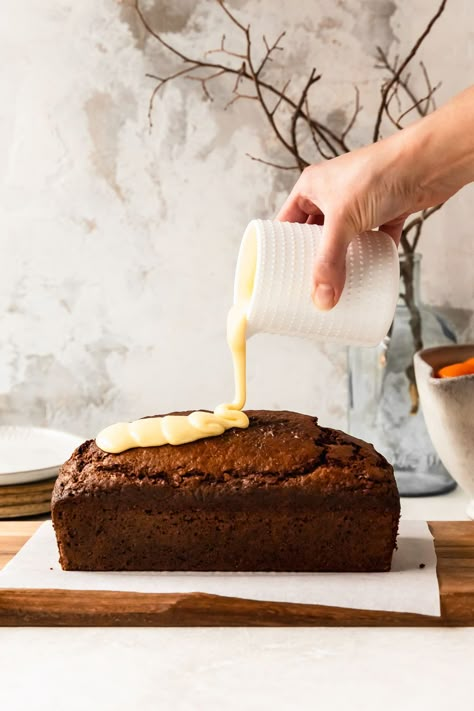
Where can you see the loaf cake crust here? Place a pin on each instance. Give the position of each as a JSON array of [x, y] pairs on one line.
[[283, 495]]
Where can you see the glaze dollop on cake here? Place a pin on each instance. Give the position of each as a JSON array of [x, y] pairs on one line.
[[283, 495]]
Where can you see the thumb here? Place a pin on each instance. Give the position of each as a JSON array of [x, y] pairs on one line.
[[329, 272]]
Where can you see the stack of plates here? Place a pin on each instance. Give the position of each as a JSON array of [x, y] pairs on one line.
[[29, 461]]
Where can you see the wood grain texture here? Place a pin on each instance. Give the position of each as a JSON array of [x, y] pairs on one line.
[[454, 543]]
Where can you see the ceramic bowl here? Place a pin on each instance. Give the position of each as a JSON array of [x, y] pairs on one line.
[[448, 408]]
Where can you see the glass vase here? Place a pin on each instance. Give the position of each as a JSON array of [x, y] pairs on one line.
[[384, 407]]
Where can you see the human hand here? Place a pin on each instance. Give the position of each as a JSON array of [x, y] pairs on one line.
[[380, 185], [350, 194]]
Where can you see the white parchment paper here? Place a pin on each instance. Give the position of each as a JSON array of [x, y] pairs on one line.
[[406, 588]]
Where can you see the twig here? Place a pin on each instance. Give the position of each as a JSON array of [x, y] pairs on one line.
[[161, 82], [392, 68], [273, 165], [428, 97], [233, 19], [269, 50], [238, 77], [430, 88], [280, 98], [237, 97], [404, 83], [248, 60], [421, 105], [388, 112], [315, 138], [353, 119], [203, 81], [313, 78], [258, 88], [222, 50], [416, 224], [151, 31]]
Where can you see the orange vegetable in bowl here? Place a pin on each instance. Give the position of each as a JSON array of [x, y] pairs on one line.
[[457, 369]]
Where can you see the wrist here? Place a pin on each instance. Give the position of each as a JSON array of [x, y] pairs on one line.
[[407, 153], [440, 151]]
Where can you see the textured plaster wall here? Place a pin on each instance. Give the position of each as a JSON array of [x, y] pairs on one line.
[[117, 244]]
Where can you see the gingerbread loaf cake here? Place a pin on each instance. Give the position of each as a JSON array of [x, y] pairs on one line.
[[283, 495]]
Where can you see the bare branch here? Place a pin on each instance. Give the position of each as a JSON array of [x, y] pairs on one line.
[[328, 142], [151, 105], [203, 81], [315, 138], [416, 225], [405, 244], [313, 78], [258, 86], [269, 50], [388, 112], [357, 110], [426, 215], [280, 98], [273, 165], [161, 82], [426, 99], [239, 76], [403, 65], [232, 18], [223, 50], [402, 82], [154, 34], [327, 137], [239, 96], [420, 104], [323, 132], [430, 89]]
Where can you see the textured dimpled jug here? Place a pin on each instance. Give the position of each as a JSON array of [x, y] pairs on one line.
[[274, 279]]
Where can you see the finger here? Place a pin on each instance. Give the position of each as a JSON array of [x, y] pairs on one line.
[[394, 228], [329, 272], [316, 219], [298, 207], [292, 211]]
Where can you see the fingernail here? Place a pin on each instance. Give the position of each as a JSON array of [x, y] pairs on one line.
[[324, 297]]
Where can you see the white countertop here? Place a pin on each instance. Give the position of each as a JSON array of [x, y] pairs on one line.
[[340, 668], [449, 507]]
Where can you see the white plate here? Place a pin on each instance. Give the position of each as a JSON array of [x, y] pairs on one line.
[[33, 453]]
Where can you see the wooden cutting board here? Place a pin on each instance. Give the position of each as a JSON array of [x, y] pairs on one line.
[[454, 543]]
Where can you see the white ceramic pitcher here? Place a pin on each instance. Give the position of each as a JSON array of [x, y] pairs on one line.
[[275, 267]]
